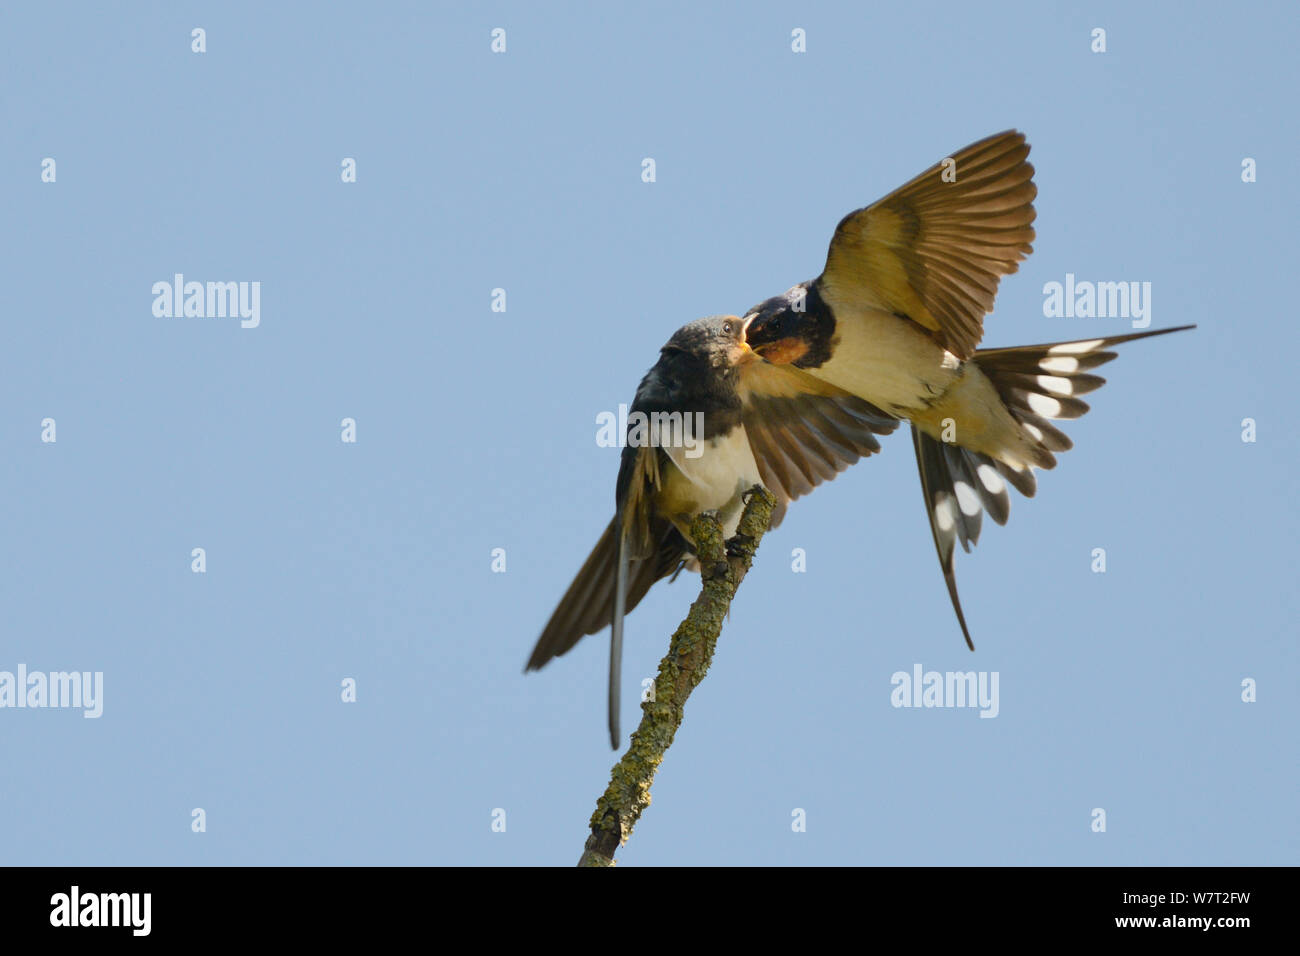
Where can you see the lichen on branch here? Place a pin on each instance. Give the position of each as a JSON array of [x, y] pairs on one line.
[[722, 568]]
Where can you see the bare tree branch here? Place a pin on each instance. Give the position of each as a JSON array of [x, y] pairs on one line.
[[722, 568]]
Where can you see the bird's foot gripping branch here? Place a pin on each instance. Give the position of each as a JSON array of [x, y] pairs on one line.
[[724, 565]]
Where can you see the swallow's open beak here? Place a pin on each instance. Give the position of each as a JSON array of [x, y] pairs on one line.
[[771, 340], [743, 354], [740, 353]]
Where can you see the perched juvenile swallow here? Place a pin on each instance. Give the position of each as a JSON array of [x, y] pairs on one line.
[[895, 318], [762, 423]]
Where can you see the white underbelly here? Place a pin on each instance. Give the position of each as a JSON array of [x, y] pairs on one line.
[[722, 471]]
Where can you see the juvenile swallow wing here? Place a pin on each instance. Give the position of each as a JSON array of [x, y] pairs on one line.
[[934, 250], [588, 605], [804, 431], [637, 549]]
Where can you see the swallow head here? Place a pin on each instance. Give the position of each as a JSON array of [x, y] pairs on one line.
[[778, 329], [719, 340]]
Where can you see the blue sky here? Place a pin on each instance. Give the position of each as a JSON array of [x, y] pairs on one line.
[[476, 429]]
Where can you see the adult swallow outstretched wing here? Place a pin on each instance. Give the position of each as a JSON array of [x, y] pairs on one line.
[[897, 314]]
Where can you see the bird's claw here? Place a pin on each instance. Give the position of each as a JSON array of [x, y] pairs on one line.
[[740, 545]]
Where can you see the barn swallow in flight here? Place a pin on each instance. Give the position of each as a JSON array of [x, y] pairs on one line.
[[759, 420], [895, 318]]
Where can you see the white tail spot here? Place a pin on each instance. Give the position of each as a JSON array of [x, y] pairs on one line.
[[1042, 405], [945, 514], [1066, 365], [967, 500], [1075, 348], [1034, 432], [991, 479], [1056, 384]]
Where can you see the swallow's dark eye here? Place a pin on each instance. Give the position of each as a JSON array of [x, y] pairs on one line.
[[726, 328]]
